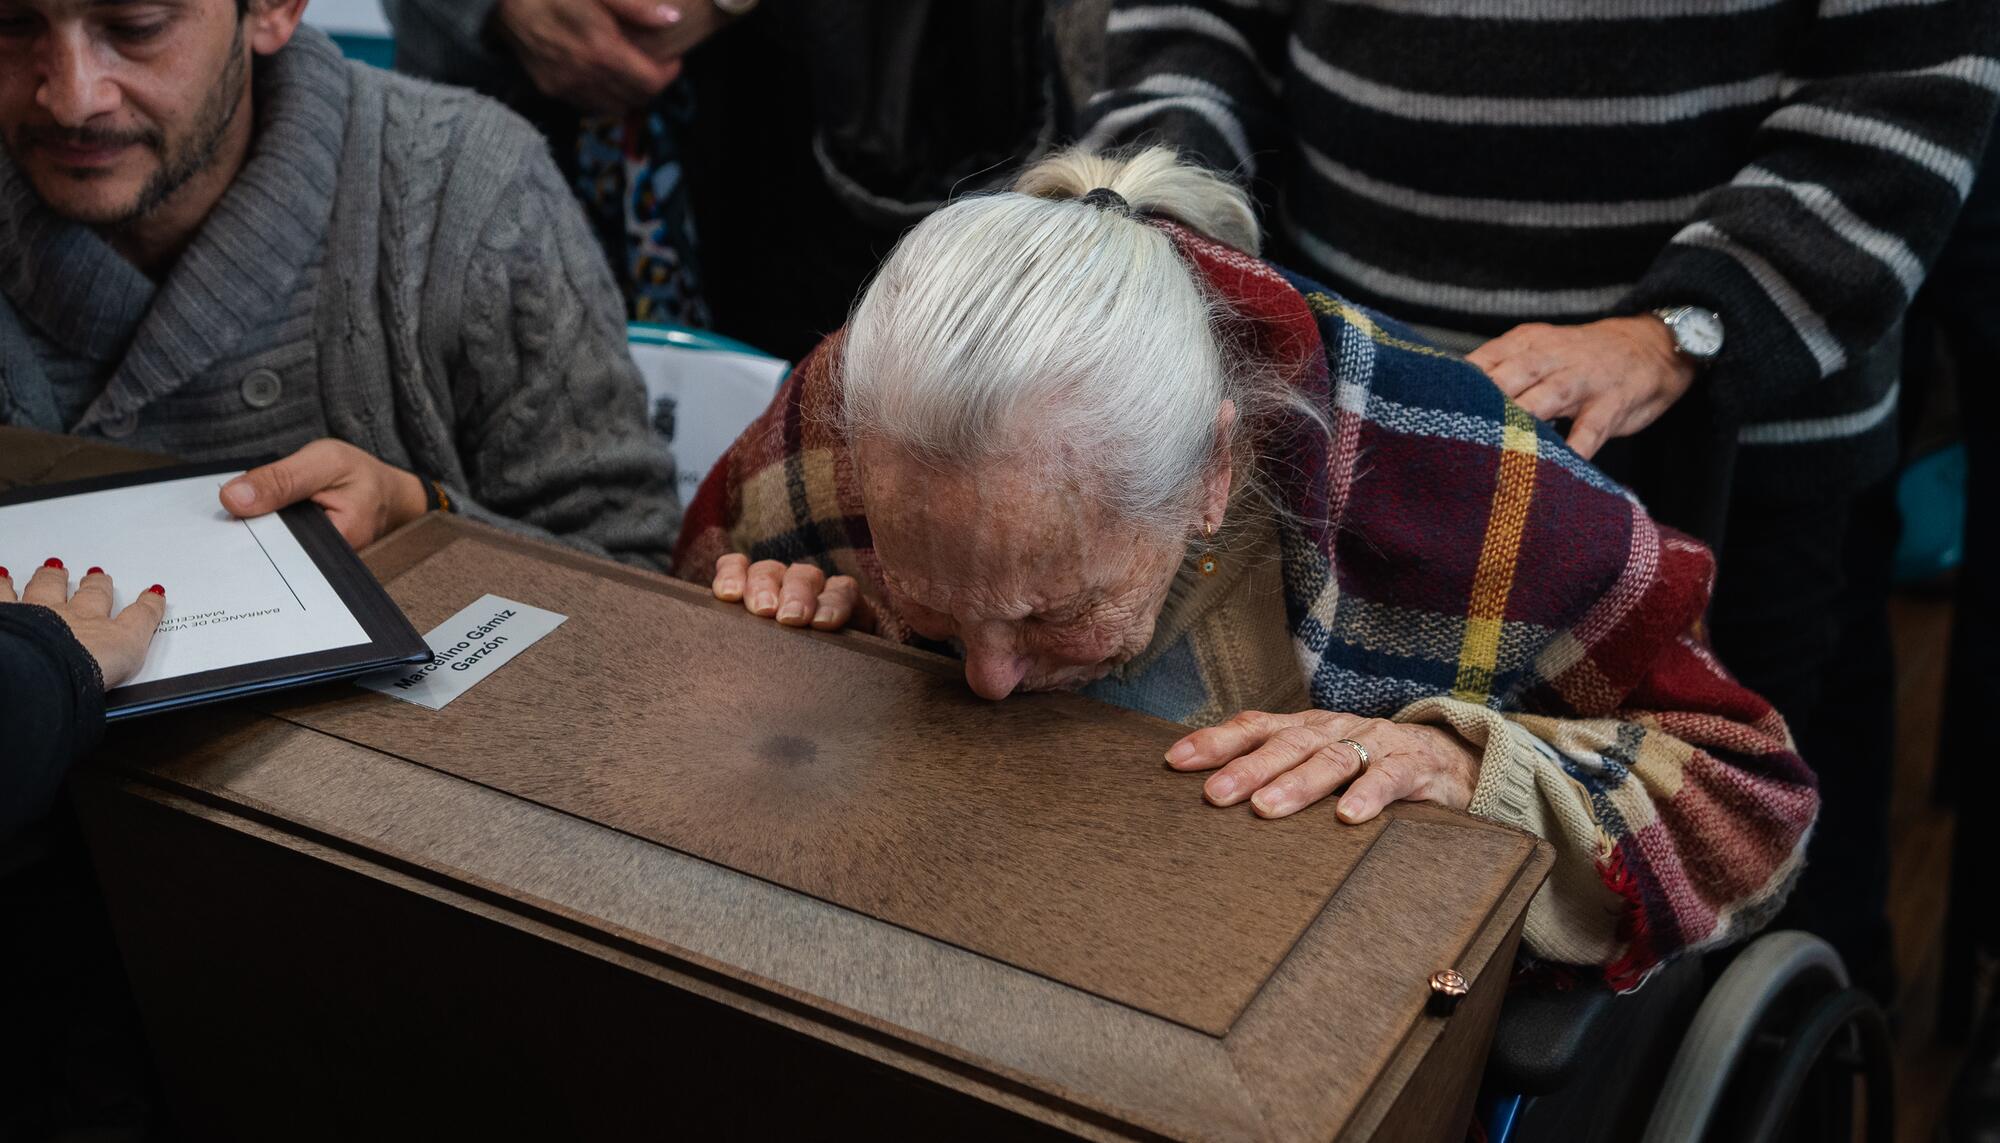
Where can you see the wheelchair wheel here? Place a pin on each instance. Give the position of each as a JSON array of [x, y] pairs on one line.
[[1775, 1050]]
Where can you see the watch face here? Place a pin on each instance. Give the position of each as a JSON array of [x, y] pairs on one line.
[[1699, 332]]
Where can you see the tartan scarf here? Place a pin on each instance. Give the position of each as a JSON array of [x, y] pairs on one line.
[[1441, 547]]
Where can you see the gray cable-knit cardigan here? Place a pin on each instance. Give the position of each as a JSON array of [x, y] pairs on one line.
[[398, 265]]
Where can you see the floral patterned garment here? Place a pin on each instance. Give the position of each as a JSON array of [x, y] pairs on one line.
[[629, 181]]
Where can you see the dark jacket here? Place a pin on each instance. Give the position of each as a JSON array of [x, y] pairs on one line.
[[1792, 165], [51, 710], [820, 131]]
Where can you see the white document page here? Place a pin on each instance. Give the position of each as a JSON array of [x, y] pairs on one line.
[[706, 397], [466, 648], [238, 591]]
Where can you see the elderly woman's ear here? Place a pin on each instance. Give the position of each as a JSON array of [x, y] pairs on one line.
[[797, 596], [1221, 473]]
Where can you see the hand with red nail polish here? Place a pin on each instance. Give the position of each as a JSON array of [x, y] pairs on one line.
[[117, 642]]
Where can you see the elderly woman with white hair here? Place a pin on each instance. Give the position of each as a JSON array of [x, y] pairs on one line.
[[1081, 435]]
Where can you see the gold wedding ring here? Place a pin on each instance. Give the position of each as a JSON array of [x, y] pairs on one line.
[[1360, 751]]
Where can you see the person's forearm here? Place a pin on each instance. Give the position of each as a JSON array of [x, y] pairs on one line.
[[1815, 248], [51, 711], [1717, 814], [1675, 799]]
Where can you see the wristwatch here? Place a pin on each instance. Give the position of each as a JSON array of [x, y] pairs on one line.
[[1697, 332]]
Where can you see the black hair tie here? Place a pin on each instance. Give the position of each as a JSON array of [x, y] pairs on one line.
[[1104, 198]]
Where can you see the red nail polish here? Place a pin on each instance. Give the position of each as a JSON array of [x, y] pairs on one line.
[[94, 570], [156, 589], [52, 562], [3, 574]]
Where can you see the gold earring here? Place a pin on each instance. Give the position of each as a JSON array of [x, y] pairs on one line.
[[1207, 564]]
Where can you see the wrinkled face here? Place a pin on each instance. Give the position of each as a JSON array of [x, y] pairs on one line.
[[111, 106], [1040, 588]]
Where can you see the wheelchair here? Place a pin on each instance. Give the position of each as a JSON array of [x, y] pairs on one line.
[[1774, 1045], [1770, 1047]]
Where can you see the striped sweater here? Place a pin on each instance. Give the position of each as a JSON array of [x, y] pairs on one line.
[[1468, 165]]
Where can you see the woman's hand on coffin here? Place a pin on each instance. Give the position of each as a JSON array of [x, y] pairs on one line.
[[118, 642], [800, 595], [1283, 763], [363, 497]]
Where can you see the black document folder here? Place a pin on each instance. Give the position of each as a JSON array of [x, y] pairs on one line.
[[388, 639]]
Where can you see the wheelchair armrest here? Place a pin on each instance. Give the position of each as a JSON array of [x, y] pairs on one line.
[[1546, 1037]]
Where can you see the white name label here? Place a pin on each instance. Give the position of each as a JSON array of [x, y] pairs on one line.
[[465, 649]]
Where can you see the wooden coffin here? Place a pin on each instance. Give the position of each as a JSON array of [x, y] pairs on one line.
[[677, 872]]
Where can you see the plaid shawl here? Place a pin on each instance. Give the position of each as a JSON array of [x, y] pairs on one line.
[[1448, 560]]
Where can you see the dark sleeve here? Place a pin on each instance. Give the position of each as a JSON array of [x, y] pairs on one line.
[[1201, 77], [1813, 251], [450, 41], [51, 710]]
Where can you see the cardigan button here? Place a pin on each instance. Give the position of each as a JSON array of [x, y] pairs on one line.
[[261, 389], [121, 426]]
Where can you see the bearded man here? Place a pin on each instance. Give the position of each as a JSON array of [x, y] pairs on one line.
[[218, 238]]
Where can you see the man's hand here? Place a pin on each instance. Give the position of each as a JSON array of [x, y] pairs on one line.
[[604, 55], [1611, 377], [364, 498]]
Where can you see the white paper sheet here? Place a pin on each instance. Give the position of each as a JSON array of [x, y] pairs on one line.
[[702, 399], [238, 591], [466, 648]]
